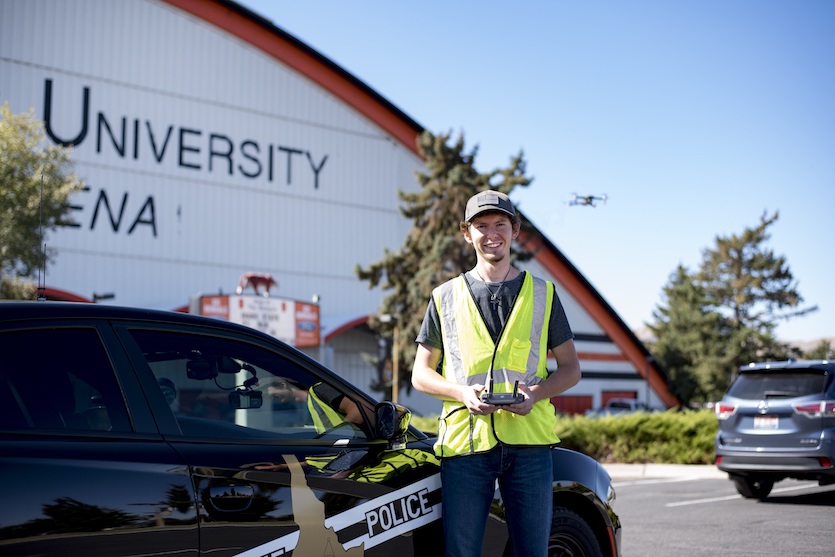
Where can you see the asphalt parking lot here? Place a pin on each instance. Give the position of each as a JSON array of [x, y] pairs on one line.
[[692, 511]]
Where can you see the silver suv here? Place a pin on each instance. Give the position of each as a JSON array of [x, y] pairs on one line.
[[777, 421]]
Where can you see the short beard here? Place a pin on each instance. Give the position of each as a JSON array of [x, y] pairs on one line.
[[492, 258]]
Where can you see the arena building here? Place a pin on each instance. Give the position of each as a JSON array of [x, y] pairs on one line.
[[214, 144]]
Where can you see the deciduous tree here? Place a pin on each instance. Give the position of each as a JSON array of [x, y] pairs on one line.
[[36, 181]]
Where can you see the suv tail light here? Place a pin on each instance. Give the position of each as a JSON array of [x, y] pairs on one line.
[[817, 409], [724, 411]]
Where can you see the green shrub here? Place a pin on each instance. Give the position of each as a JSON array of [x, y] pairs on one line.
[[429, 424], [671, 437]]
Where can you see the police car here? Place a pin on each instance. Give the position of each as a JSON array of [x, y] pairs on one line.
[[136, 432]]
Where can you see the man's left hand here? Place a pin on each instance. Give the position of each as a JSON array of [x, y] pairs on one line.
[[522, 408]]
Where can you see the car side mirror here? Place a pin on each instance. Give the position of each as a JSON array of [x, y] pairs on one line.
[[391, 423]]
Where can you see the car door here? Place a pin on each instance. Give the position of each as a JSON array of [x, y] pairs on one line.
[[283, 454], [83, 469]]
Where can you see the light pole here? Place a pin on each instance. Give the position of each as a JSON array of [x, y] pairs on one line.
[[395, 368], [316, 300], [395, 371]]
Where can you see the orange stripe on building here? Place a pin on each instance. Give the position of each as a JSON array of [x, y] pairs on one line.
[[593, 356], [280, 46]]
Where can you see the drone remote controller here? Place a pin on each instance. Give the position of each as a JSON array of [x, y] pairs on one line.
[[489, 397]]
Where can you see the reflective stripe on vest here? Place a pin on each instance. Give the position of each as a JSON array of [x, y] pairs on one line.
[[324, 417], [521, 355]]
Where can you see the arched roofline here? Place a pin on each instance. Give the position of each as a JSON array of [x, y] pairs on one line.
[[264, 35], [347, 326]]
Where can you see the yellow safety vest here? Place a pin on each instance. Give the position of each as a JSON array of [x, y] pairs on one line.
[[521, 354], [388, 465]]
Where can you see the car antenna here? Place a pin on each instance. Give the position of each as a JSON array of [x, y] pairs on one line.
[[42, 268]]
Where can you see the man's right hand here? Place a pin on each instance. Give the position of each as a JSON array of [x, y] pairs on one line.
[[470, 397]]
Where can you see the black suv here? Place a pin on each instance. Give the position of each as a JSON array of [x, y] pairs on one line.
[[136, 432], [777, 421]]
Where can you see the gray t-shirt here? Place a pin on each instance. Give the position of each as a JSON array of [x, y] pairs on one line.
[[495, 314]]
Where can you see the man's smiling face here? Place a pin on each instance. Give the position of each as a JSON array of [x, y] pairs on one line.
[[491, 234]]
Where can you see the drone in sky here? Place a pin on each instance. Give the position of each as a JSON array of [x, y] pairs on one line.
[[588, 200]]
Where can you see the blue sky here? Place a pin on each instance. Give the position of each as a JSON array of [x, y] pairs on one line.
[[694, 117]]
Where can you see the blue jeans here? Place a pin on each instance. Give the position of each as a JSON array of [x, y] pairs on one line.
[[525, 477]]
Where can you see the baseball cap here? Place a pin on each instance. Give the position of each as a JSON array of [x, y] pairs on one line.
[[488, 200]]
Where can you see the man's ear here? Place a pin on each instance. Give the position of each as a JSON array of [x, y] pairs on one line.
[[466, 234]]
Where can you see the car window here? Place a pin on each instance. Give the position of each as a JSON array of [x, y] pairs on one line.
[[760, 385], [59, 378], [219, 387]]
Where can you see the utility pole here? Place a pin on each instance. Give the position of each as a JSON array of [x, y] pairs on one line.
[[395, 371]]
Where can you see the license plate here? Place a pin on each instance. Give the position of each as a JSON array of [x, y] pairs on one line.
[[766, 422]]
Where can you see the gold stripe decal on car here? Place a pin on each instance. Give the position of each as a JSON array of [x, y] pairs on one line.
[[381, 518]]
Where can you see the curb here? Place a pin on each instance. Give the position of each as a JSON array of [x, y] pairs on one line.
[[646, 471]]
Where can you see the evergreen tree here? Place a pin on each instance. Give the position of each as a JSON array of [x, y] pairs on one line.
[[35, 184], [747, 279], [434, 250], [724, 315], [688, 335], [822, 351], [754, 289]]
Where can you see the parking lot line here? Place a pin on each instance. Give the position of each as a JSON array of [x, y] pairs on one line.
[[736, 496], [652, 481]]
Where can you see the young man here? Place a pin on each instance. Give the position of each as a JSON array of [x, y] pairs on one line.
[[495, 323]]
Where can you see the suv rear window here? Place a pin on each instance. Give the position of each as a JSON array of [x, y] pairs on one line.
[[760, 385]]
